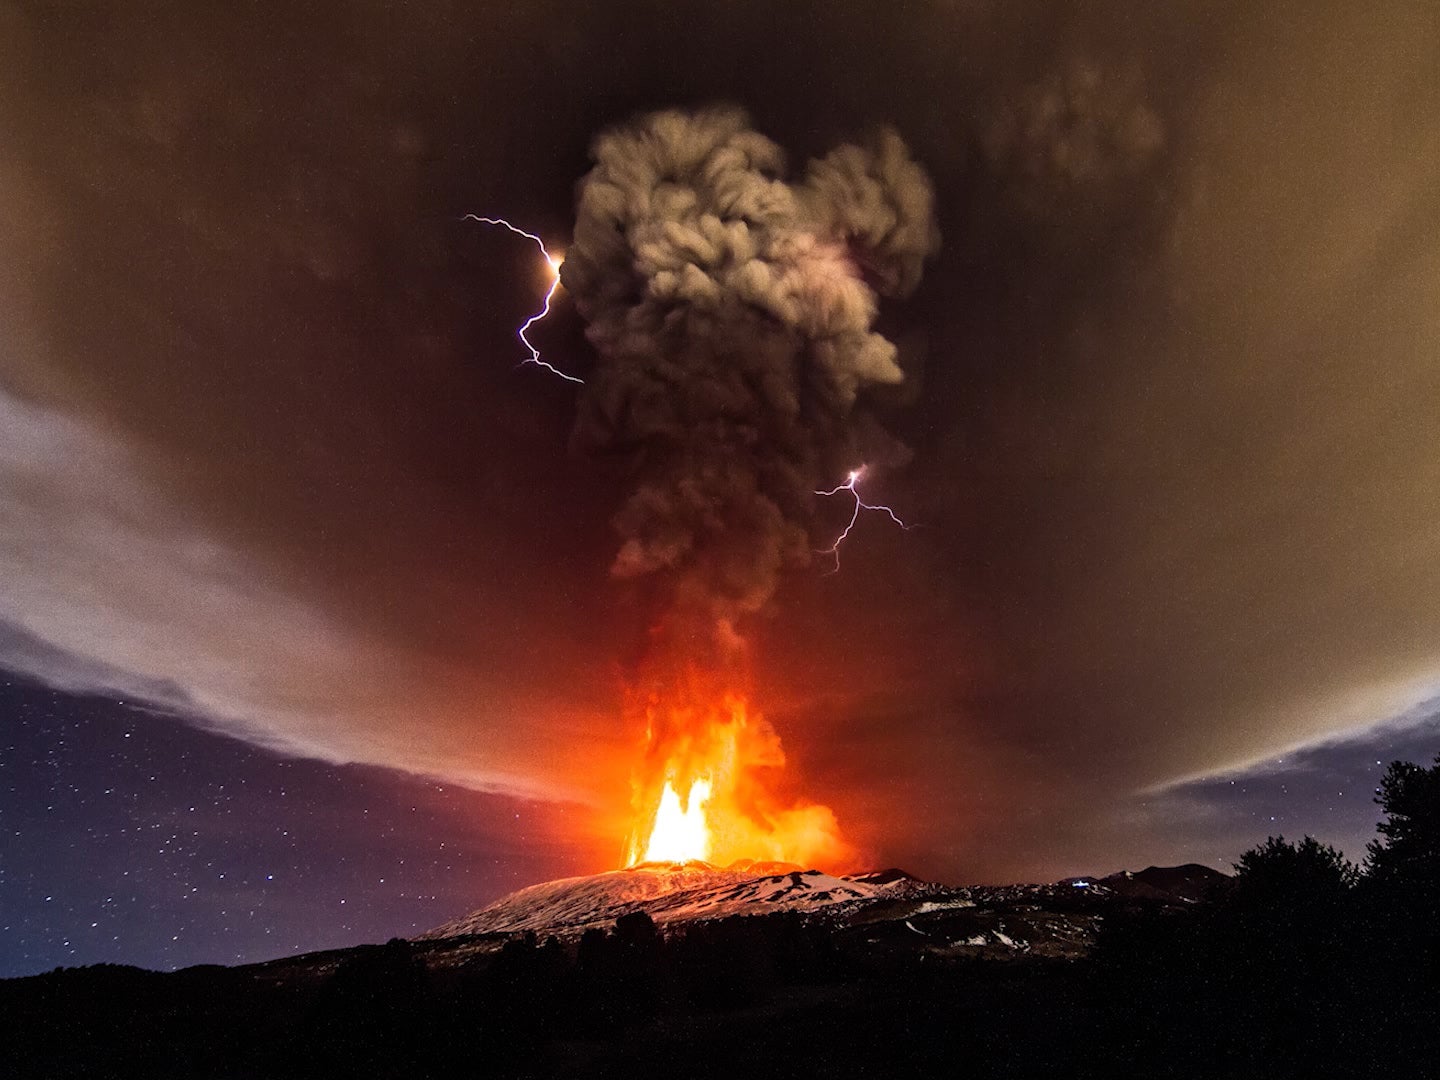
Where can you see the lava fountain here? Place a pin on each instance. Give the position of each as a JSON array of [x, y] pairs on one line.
[[708, 786], [680, 832]]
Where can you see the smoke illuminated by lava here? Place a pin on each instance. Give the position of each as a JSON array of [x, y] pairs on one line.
[[733, 312], [707, 782]]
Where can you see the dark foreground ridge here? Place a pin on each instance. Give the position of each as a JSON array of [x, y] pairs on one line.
[[1298, 966]]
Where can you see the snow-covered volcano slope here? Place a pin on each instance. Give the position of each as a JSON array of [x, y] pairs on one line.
[[675, 892]]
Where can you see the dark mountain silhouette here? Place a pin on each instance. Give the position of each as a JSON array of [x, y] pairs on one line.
[[1191, 882], [772, 971]]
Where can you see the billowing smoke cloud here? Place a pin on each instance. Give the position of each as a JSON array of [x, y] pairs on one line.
[[1077, 137], [734, 312], [264, 456]]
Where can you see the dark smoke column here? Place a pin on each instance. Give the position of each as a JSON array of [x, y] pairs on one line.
[[732, 312], [733, 316]]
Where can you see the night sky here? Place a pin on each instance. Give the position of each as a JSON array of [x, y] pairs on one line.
[[307, 635], [132, 837]]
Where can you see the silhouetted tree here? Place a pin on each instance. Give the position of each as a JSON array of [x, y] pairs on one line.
[[1255, 981], [1290, 909], [1406, 857], [1402, 893], [374, 1012], [1277, 873]]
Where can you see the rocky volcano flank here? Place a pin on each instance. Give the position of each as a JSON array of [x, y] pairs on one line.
[[680, 892], [885, 910]]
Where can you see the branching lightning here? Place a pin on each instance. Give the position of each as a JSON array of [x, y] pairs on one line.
[[860, 504], [554, 264]]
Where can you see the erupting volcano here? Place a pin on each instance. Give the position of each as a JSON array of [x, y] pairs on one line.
[[703, 790], [732, 313]]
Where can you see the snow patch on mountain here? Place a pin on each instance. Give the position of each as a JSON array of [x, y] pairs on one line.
[[673, 892]]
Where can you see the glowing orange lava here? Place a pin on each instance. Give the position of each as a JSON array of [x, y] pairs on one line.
[[680, 832], [706, 788]]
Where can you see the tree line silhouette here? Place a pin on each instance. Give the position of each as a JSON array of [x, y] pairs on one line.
[[1302, 965], [1306, 965]]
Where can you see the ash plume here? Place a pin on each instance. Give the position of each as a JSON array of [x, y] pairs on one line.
[[733, 312]]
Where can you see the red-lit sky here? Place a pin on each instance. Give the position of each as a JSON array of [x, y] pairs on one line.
[[1170, 411]]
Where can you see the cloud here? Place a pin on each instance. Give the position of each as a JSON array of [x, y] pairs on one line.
[[109, 587], [266, 453], [735, 332], [1081, 134]]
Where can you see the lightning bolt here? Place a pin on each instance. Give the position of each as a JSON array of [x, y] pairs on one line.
[[554, 264], [860, 504]]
